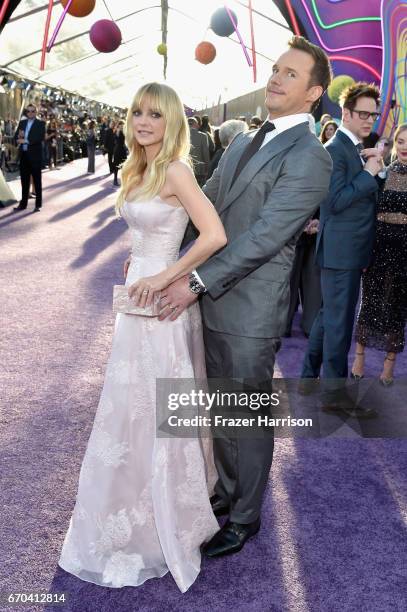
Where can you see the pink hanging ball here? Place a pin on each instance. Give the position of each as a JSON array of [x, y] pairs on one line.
[[105, 36]]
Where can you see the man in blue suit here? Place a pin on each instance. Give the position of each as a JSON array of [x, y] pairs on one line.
[[345, 239]]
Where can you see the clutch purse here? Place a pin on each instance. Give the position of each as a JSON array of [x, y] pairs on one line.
[[124, 304]]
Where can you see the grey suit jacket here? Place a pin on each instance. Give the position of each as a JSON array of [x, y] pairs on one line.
[[199, 152], [263, 213]]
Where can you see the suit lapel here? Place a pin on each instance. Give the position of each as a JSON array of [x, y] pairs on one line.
[[278, 144], [349, 146]]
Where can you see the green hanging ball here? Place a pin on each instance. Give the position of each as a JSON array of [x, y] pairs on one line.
[[162, 49]]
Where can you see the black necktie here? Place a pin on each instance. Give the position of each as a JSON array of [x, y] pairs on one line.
[[253, 147]]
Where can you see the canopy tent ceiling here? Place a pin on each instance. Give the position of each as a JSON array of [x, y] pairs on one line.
[[74, 64]]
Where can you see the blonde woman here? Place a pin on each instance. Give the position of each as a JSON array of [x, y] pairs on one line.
[[143, 506], [383, 310]]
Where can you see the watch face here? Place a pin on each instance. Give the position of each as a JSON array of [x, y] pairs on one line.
[[194, 286]]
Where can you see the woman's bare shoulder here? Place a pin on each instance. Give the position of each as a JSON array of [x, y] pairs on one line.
[[179, 168]]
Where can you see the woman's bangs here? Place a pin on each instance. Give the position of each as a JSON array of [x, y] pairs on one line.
[[152, 97]]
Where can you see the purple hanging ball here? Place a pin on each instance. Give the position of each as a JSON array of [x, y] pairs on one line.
[[105, 36], [221, 23]]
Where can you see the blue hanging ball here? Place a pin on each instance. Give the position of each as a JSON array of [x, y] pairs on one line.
[[221, 23]]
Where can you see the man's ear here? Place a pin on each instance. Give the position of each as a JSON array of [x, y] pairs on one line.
[[314, 93]]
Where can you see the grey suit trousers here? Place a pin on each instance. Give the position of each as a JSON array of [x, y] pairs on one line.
[[243, 463]]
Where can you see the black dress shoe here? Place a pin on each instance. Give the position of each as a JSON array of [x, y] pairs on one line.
[[308, 386], [19, 207], [230, 539], [331, 408], [349, 409], [219, 507], [37, 209], [358, 412]]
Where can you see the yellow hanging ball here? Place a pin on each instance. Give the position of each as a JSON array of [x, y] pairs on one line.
[[337, 86], [162, 49]]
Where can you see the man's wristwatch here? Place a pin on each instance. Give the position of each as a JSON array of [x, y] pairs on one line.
[[194, 285]]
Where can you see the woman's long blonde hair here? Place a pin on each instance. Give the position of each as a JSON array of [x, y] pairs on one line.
[[400, 128], [176, 143]]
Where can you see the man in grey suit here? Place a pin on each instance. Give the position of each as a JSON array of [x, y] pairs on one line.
[[267, 186], [199, 151]]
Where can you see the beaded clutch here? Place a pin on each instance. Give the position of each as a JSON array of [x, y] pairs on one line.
[[124, 304]]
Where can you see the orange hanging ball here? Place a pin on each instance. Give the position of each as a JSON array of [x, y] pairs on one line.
[[80, 8], [205, 52]]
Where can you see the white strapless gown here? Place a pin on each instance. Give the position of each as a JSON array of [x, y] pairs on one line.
[[142, 507]]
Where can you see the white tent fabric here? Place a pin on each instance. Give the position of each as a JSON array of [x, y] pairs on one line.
[[113, 78]]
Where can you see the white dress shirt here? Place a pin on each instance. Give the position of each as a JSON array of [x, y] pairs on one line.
[[350, 135], [284, 123], [27, 131]]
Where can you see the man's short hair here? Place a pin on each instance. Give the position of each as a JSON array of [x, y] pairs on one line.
[[256, 120], [321, 72], [229, 129], [326, 117], [349, 97]]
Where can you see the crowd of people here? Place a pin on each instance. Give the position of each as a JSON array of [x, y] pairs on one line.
[[208, 143], [64, 138], [57, 138]]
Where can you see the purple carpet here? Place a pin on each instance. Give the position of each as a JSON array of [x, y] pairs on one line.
[[333, 536]]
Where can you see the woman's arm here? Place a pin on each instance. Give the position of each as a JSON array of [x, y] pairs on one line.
[[181, 183]]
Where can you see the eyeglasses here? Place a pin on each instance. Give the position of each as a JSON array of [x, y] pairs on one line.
[[31, 111], [365, 114]]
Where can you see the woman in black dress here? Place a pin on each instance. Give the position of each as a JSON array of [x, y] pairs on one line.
[[119, 151], [383, 309], [51, 139]]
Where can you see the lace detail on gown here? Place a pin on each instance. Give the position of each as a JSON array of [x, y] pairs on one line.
[[142, 507]]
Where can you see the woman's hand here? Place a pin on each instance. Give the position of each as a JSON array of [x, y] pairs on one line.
[[126, 266], [312, 227], [143, 290]]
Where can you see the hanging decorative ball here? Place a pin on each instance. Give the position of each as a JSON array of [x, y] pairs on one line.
[[221, 23], [80, 8], [205, 52], [337, 86], [105, 36], [162, 49]]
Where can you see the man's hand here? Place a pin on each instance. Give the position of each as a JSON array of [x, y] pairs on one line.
[[374, 162], [175, 299]]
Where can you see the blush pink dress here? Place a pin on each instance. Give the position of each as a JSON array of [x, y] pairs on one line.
[[142, 507]]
